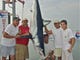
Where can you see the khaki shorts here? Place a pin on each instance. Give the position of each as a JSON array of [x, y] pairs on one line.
[[21, 52], [58, 52]]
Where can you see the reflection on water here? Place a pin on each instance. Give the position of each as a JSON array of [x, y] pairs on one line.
[[76, 50]]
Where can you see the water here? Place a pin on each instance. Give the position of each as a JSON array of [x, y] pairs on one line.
[[35, 56], [76, 52]]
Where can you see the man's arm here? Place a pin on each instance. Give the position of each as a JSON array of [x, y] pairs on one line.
[[72, 42], [27, 33], [6, 35], [47, 31]]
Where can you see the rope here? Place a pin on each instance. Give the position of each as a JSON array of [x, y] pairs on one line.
[[22, 10], [9, 5]]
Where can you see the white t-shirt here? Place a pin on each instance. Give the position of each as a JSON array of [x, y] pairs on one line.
[[57, 34], [67, 35], [11, 30]]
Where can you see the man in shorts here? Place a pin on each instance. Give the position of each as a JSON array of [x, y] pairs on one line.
[[8, 40], [57, 34]]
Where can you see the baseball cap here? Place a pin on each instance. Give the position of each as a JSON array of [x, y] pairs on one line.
[[16, 18], [56, 21], [25, 19]]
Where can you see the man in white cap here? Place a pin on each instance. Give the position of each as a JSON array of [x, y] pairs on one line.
[[57, 34], [22, 43]]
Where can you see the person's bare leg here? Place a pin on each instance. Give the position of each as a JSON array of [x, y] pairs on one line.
[[48, 58], [54, 57], [59, 58], [12, 57], [3, 58]]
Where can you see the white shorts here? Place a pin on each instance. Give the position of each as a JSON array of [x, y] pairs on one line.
[[66, 55], [6, 51]]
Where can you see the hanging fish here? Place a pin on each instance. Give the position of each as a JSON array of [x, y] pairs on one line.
[[37, 28]]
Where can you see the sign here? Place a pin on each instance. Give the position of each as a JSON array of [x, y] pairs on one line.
[[77, 35], [3, 22]]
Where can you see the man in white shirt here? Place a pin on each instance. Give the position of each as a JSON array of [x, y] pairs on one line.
[[57, 34], [68, 41], [8, 40]]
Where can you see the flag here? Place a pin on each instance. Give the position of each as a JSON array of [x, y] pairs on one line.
[[37, 25]]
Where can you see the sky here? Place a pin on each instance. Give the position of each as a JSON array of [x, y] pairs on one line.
[[52, 9]]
